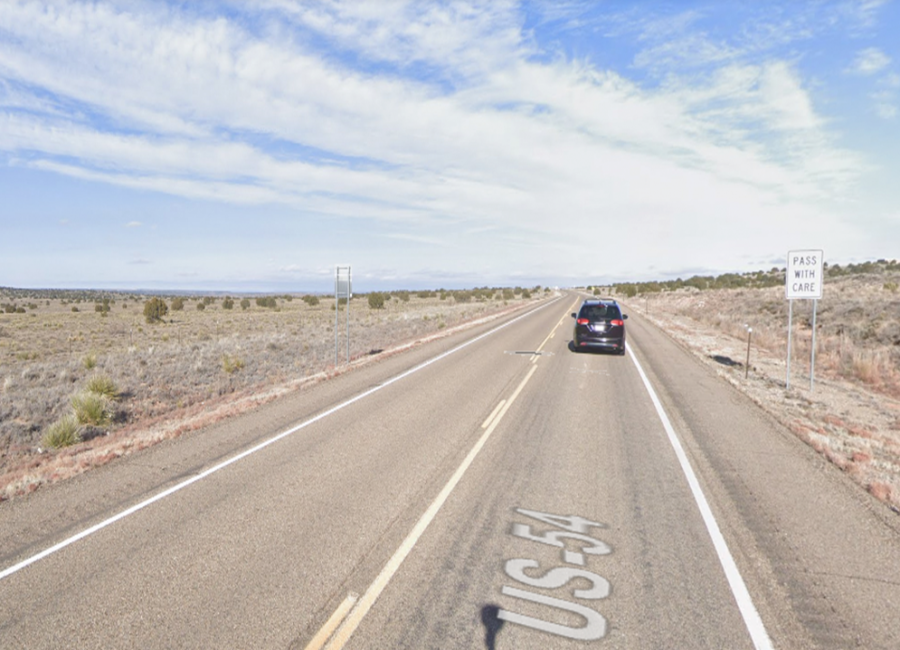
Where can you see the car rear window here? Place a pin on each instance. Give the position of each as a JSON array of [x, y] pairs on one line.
[[598, 312]]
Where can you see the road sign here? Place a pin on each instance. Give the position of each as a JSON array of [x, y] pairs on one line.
[[805, 275], [804, 278], [342, 285], [342, 291]]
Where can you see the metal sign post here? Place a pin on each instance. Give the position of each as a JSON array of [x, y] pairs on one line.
[[342, 289], [804, 279]]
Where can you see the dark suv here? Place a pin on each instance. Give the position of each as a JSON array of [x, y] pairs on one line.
[[599, 324]]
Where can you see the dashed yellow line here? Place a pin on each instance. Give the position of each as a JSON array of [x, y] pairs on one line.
[[552, 333], [350, 614]]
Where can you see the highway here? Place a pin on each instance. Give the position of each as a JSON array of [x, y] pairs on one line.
[[491, 489]]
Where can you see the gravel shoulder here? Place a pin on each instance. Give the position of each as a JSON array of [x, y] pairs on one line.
[[854, 426]]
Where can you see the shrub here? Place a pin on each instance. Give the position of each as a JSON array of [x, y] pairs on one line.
[[268, 301], [228, 303], [155, 309], [89, 361], [104, 386], [312, 301], [376, 300], [526, 293], [201, 306], [245, 304], [177, 304], [92, 409], [62, 433], [890, 286], [231, 364]]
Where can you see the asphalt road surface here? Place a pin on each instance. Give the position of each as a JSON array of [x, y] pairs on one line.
[[489, 490]]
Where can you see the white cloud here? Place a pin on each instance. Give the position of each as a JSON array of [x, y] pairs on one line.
[[133, 224], [885, 110], [486, 139], [870, 61]]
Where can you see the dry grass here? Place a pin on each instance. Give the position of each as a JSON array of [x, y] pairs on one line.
[[62, 433], [852, 417], [197, 367]]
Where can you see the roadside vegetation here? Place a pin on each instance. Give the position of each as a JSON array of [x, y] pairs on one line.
[[83, 369], [857, 320], [853, 415]]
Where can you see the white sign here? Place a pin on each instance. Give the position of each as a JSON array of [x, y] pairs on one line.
[[805, 275], [342, 287]]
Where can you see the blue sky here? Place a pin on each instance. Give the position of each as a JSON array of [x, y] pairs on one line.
[[255, 145]]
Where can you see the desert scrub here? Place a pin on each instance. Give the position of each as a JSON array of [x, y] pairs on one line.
[[92, 409], [231, 364], [65, 432], [104, 386], [155, 309], [89, 361]]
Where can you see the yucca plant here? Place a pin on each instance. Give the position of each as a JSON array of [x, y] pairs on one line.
[[63, 433], [92, 409], [102, 385]]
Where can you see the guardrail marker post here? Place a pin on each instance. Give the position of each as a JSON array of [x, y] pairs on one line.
[[747, 366], [787, 383], [812, 358]]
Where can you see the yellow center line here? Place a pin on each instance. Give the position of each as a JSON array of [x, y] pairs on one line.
[[496, 410], [535, 356], [331, 625], [374, 591]]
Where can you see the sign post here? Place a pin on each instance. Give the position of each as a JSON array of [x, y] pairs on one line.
[[803, 280], [342, 289]]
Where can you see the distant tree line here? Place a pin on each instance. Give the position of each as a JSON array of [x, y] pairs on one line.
[[750, 280]]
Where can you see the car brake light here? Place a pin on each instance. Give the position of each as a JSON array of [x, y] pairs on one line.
[[582, 321], [617, 323]]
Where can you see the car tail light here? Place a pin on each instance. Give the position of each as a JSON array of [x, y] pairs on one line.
[[617, 323], [582, 321]]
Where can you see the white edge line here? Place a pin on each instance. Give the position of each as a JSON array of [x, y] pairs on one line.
[[752, 620], [5, 573]]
